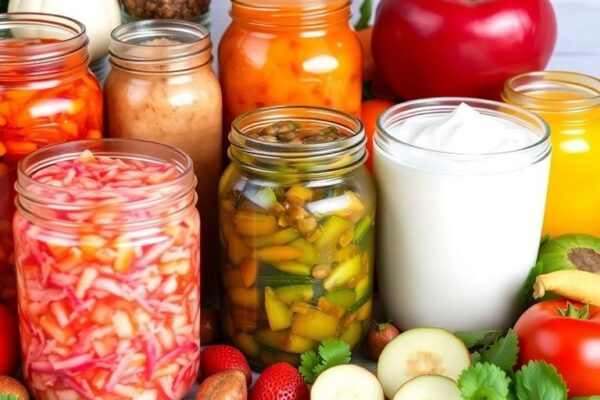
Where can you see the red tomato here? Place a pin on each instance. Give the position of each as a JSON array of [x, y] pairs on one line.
[[9, 342], [572, 345], [371, 110], [426, 48]]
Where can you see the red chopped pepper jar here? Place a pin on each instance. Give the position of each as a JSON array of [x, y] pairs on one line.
[[47, 95], [108, 250]]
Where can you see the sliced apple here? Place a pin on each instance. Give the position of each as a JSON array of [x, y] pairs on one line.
[[422, 351], [429, 387], [344, 382]]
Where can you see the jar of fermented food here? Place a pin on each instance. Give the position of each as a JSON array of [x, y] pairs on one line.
[[290, 52], [47, 95], [162, 88], [570, 104], [191, 10], [296, 214], [107, 249]]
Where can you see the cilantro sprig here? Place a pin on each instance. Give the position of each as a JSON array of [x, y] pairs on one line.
[[492, 376], [331, 352]]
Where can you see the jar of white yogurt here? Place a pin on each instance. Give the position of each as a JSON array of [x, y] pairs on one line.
[[462, 190]]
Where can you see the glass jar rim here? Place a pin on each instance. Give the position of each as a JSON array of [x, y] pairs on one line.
[[188, 45], [144, 150], [291, 13], [517, 90], [322, 154], [45, 56], [419, 157]]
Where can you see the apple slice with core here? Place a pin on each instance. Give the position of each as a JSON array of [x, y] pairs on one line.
[[421, 351], [344, 382], [429, 387]]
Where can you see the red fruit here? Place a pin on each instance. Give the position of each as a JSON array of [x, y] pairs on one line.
[[280, 381], [220, 357], [379, 336], [9, 342]]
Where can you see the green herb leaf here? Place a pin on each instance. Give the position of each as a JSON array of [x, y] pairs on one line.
[[478, 338], [503, 352], [308, 362], [332, 352], [540, 381], [483, 381], [366, 11]]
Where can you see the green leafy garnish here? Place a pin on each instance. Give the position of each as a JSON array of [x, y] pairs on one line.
[[484, 381], [478, 338], [540, 381], [366, 10], [331, 352], [503, 353]]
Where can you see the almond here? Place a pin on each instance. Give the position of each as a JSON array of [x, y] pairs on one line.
[[227, 385]]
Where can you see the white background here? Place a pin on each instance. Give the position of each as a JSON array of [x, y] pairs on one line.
[[578, 47]]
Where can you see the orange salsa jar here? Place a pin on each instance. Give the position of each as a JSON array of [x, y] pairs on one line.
[[289, 52], [570, 104], [47, 95]]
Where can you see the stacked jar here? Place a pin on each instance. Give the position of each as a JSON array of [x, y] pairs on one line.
[[47, 95], [290, 52], [296, 214], [162, 88]]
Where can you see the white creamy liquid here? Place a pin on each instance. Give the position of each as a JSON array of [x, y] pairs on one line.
[[454, 247]]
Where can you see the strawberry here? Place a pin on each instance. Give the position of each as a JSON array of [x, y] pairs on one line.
[[280, 381], [379, 336], [220, 357]]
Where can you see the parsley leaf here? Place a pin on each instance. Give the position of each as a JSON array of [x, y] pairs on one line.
[[484, 381], [478, 338], [366, 10], [540, 381], [503, 352], [308, 362], [331, 352]]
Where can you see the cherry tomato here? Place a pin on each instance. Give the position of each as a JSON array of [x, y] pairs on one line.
[[371, 110], [570, 343], [9, 342]]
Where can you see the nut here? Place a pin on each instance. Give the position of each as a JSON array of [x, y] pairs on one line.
[[227, 385]]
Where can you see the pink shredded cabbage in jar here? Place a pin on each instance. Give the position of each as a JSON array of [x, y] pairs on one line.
[[106, 311]]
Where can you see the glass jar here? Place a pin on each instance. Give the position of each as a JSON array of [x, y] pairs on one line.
[[191, 10], [162, 88], [290, 52], [460, 211], [47, 95], [296, 219], [570, 103], [107, 249]]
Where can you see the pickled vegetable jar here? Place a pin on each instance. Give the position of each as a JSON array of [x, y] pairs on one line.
[[296, 216], [570, 104], [47, 95], [107, 250], [290, 52], [162, 88]]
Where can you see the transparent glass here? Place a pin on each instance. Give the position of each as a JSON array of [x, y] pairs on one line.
[[191, 10], [162, 88], [47, 95], [297, 237], [108, 277], [290, 52], [457, 232], [570, 103]]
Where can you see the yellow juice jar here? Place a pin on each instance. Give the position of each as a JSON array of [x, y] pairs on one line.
[[570, 104]]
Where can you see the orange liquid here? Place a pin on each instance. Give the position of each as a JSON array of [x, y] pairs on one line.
[[573, 204]]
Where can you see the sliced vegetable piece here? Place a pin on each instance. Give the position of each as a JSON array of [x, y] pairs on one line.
[[333, 228], [422, 351], [363, 226], [352, 334], [277, 254], [295, 293], [341, 297], [276, 239], [293, 267], [284, 341], [278, 314], [309, 253], [343, 272], [347, 381], [429, 387], [315, 325], [254, 224]]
